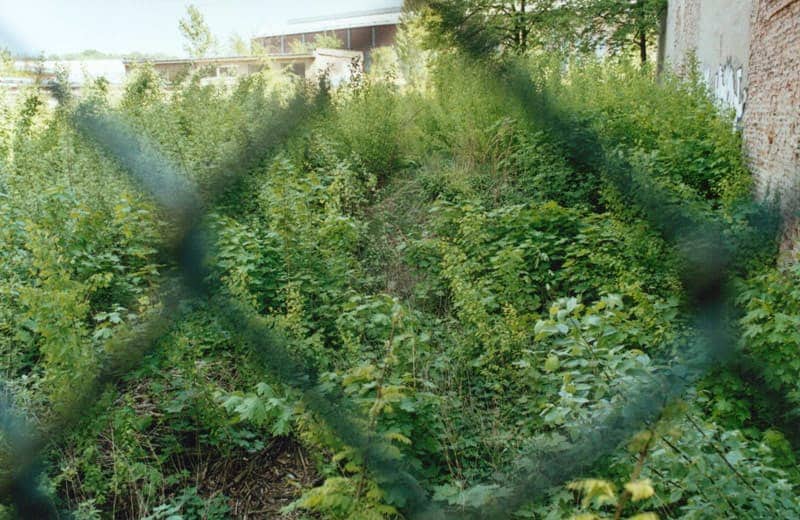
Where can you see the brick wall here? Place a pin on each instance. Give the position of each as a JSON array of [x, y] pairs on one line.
[[772, 115]]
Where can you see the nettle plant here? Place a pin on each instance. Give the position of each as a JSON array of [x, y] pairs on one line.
[[263, 408], [771, 326], [680, 467], [527, 296], [593, 354], [392, 399], [80, 252]]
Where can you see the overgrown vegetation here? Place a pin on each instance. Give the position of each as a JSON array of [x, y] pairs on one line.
[[435, 256]]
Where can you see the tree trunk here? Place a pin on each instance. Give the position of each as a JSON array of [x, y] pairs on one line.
[[643, 47], [523, 34], [662, 42]]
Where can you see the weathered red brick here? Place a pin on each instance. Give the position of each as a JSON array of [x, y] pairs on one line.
[[772, 115]]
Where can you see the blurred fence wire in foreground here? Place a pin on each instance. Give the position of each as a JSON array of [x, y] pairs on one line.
[[709, 248]]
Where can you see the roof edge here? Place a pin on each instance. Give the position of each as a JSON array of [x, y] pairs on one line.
[[351, 14], [353, 20], [281, 57]]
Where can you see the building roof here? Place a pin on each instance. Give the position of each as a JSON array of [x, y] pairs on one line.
[[221, 59], [224, 60], [352, 20], [218, 60]]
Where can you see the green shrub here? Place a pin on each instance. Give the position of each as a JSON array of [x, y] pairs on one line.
[[435, 252], [675, 121], [770, 327]]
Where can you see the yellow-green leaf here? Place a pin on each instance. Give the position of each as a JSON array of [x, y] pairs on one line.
[[644, 516], [640, 490], [552, 363], [592, 488], [396, 436], [640, 440]]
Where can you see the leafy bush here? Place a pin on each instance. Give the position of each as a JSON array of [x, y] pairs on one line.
[[674, 120], [434, 252], [771, 327]]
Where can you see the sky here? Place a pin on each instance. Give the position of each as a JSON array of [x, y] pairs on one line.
[[147, 26]]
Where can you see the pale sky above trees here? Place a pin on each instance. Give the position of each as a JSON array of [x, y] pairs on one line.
[[147, 26]]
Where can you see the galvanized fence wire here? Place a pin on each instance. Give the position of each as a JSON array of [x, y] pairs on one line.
[[707, 246], [190, 248]]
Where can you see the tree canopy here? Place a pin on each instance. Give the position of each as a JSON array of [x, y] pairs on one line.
[[199, 39], [622, 26], [522, 26]]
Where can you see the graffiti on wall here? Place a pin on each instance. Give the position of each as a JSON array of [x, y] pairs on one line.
[[727, 85]]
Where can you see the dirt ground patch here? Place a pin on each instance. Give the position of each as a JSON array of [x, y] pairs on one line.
[[259, 485]]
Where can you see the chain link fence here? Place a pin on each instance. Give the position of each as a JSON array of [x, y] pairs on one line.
[[707, 246]]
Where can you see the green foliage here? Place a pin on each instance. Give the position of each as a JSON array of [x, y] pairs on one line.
[[518, 26], [341, 498], [622, 26], [6, 128], [721, 472], [239, 46], [683, 467], [261, 408], [412, 57], [199, 39], [771, 327], [673, 126], [573, 26], [324, 40], [367, 128], [189, 506], [383, 62], [6, 61], [327, 40], [436, 256]]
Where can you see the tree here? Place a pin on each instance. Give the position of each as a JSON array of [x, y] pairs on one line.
[[328, 40], [522, 25], [622, 25], [516, 26], [6, 61], [526, 24], [413, 59], [323, 40], [239, 46], [199, 40]]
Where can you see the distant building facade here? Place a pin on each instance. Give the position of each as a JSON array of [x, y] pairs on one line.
[[294, 45], [359, 31], [749, 53], [336, 63]]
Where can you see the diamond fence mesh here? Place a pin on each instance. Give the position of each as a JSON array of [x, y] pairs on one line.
[[707, 247]]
